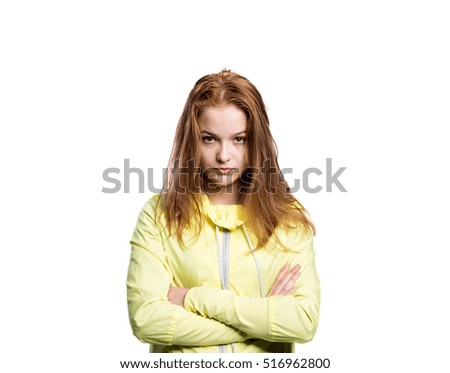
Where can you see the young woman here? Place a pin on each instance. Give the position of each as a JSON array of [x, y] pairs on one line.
[[222, 260]]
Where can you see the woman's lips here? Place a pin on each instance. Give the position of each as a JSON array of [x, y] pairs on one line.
[[225, 170]]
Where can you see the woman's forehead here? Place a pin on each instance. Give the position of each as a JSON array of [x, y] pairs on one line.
[[227, 118]]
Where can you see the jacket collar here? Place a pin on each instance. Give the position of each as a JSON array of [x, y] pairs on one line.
[[225, 216]]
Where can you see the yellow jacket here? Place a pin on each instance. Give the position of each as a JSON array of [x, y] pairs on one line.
[[225, 309]]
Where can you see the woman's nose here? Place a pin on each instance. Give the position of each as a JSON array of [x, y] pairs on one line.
[[223, 154]]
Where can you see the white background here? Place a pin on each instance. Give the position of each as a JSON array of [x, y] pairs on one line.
[[87, 84]]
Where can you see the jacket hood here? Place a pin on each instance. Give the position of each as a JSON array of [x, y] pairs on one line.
[[225, 216]]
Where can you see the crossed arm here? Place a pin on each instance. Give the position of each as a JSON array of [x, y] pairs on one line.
[[277, 317], [212, 316], [284, 285]]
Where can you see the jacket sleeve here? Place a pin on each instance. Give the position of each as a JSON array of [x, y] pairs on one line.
[[292, 318], [152, 317]]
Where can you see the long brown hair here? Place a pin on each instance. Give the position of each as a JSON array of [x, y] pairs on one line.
[[265, 195]]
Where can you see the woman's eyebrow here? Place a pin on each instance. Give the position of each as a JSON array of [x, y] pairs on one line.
[[208, 132], [213, 134]]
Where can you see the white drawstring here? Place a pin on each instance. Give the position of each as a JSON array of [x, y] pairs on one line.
[[258, 267], [224, 258], [223, 252]]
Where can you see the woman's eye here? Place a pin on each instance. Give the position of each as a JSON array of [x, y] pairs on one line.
[[208, 139], [240, 140]]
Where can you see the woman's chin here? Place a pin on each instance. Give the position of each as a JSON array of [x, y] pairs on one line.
[[222, 182]]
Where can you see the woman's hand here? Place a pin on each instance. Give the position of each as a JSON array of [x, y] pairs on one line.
[[177, 295], [283, 285], [285, 281]]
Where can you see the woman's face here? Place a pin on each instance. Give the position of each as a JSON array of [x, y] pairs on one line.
[[223, 145]]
